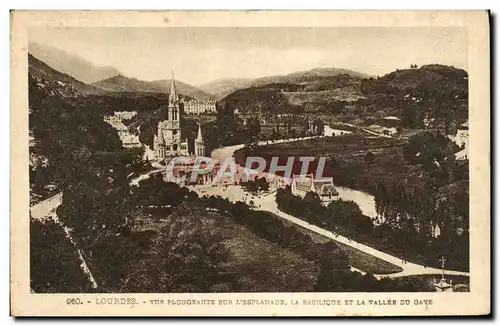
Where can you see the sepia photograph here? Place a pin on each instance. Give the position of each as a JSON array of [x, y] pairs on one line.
[[249, 160]]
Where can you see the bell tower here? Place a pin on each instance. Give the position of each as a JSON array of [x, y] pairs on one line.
[[199, 144], [169, 130], [173, 115]]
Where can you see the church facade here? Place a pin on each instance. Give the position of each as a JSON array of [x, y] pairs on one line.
[[168, 141]]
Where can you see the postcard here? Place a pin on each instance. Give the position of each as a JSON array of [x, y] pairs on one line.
[[250, 163]]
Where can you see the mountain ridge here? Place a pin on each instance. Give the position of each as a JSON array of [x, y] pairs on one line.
[[121, 83], [66, 85], [184, 89], [305, 76], [431, 89], [71, 64], [225, 86]]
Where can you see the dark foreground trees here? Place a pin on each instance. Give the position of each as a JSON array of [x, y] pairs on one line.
[[185, 256], [338, 215], [54, 263]]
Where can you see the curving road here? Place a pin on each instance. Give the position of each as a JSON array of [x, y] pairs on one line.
[[222, 153], [144, 176], [47, 209], [268, 203]]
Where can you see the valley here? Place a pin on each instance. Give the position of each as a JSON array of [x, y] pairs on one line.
[[400, 195]]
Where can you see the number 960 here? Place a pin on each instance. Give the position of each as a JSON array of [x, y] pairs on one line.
[[73, 301]]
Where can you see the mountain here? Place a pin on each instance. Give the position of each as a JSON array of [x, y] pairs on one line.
[[319, 89], [435, 91], [71, 64], [222, 87], [306, 76], [53, 81], [435, 76], [184, 89], [121, 83], [124, 84]]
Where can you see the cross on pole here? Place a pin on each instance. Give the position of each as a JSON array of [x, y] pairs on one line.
[[442, 260]]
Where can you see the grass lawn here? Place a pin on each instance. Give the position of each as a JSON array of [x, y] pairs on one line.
[[367, 262], [346, 159], [257, 264], [357, 258]]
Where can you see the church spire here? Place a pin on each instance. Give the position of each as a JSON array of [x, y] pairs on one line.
[[173, 98], [199, 137]]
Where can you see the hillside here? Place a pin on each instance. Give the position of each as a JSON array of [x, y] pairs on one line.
[[71, 64], [437, 92], [298, 92], [316, 79], [440, 78], [222, 87], [266, 99], [305, 77], [124, 84], [121, 83], [57, 82]]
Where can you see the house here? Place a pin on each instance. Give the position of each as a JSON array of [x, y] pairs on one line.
[[391, 121], [302, 184], [389, 131], [462, 140]]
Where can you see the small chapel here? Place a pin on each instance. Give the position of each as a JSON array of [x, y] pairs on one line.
[[168, 141]]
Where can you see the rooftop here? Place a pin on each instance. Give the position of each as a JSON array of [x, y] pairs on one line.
[[391, 117]]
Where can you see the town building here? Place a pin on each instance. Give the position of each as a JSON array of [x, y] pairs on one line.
[[128, 139], [462, 137], [197, 107], [462, 140], [168, 141], [324, 188], [125, 115], [391, 121]]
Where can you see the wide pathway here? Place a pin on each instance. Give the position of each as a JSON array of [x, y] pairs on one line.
[[222, 153], [46, 209], [268, 203], [144, 176]]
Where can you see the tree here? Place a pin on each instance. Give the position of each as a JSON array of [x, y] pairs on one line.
[[410, 116], [54, 263], [186, 256], [253, 129], [369, 157], [333, 263], [319, 127]]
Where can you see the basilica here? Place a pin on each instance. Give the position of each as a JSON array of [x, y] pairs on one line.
[[168, 142]]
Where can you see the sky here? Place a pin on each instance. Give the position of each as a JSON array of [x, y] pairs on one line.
[[200, 55]]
